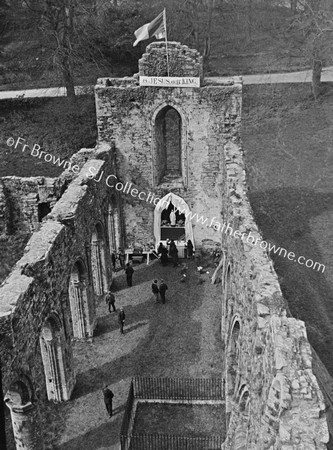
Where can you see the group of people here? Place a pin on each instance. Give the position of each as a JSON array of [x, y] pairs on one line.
[[120, 256], [159, 291], [173, 252], [110, 300]]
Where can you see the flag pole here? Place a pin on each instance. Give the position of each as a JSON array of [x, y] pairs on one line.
[[166, 41]]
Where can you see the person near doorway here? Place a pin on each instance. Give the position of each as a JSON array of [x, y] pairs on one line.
[[189, 249], [173, 252], [108, 396], [121, 257], [163, 288], [155, 290], [129, 274], [121, 319], [164, 254], [110, 300], [113, 259]]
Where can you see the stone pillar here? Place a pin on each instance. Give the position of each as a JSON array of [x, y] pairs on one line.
[[25, 421], [79, 328], [54, 370], [111, 232], [97, 267]]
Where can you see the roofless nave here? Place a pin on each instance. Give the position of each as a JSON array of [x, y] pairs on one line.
[[183, 141]]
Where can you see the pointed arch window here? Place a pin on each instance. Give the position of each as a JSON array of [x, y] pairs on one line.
[[168, 136]]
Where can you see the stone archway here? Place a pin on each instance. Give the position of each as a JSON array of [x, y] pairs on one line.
[[169, 138], [113, 229], [225, 298], [78, 300], [168, 126], [52, 343], [232, 358], [98, 261], [24, 415], [241, 430], [182, 207]]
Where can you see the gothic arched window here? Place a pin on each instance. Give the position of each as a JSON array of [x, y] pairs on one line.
[[168, 135]]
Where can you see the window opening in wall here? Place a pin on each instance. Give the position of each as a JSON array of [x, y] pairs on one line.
[[168, 127], [43, 210]]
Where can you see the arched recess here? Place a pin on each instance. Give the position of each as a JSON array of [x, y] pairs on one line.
[[232, 358], [98, 261], [169, 144], [78, 299], [24, 415], [182, 206], [241, 430], [278, 400], [225, 296], [52, 343], [113, 228]]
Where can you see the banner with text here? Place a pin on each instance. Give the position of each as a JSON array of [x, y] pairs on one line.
[[170, 81]]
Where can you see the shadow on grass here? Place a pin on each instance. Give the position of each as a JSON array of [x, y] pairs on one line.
[[100, 438], [284, 216], [172, 341]]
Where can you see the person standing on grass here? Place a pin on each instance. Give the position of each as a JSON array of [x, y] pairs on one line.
[[163, 288], [108, 396], [121, 320], [110, 301], [129, 274], [155, 290]]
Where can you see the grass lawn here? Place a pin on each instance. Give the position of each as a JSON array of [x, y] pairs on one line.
[[288, 149], [180, 420], [11, 250], [59, 127]]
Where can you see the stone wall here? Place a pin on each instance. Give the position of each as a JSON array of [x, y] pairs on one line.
[[126, 116], [37, 300], [273, 398], [25, 201]]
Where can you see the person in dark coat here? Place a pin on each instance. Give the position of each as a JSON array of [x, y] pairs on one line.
[[129, 274], [173, 252], [110, 301], [155, 290], [163, 288], [113, 259], [108, 396], [164, 254], [160, 247], [121, 319], [121, 256], [189, 249]]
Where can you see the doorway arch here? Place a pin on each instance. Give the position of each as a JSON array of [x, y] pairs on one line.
[[182, 207], [52, 343], [78, 300]]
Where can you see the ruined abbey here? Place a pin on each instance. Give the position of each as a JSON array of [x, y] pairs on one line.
[[182, 146]]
